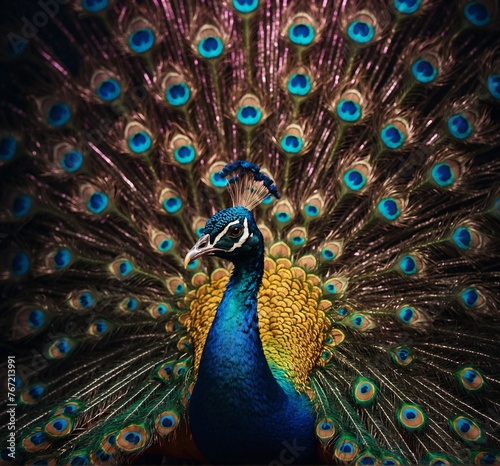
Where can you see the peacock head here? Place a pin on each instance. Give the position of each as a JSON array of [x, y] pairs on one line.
[[231, 234]]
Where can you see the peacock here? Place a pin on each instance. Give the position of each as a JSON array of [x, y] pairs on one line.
[[250, 232]]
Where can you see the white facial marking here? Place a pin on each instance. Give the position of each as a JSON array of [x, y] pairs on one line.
[[244, 236], [223, 232]]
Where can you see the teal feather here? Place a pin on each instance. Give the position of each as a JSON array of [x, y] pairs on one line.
[[361, 321]]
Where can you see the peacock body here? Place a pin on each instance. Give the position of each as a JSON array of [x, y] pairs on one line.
[[342, 307]]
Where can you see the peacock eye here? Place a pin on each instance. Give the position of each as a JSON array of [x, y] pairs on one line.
[[235, 231]]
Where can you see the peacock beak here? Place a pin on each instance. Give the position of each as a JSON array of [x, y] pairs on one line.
[[201, 248]]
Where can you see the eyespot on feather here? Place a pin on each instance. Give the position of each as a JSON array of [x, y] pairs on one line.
[[106, 86], [470, 378], [249, 111], [297, 237], [82, 300], [471, 298], [183, 151], [299, 84], [411, 417], [35, 441], [184, 343], [346, 448], [60, 348], [364, 391], [108, 443], [394, 134], [54, 112], [402, 355], [366, 459], [410, 265], [331, 251], [361, 322], [138, 139], [140, 36], [389, 209], [132, 438], [302, 30], [159, 310], [426, 68], [245, 7], [129, 304], [167, 422], [79, 457], [357, 177], [99, 328], [101, 457], [466, 429], [96, 202], [335, 286], [171, 201], [349, 107], [313, 207], [466, 238], [176, 286], [32, 394], [325, 430], [445, 174], [122, 267], [29, 320], [484, 457], [162, 242], [58, 427], [283, 213], [180, 370], [292, 140], [176, 90], [410, 316], [362, 28], [209, 42], [70, 408], [334, 338], [165, 371]]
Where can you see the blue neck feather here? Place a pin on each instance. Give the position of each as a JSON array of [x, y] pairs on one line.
[[239, 412]]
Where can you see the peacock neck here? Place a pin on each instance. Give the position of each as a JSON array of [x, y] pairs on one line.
[[238, 411], [233, 353]]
